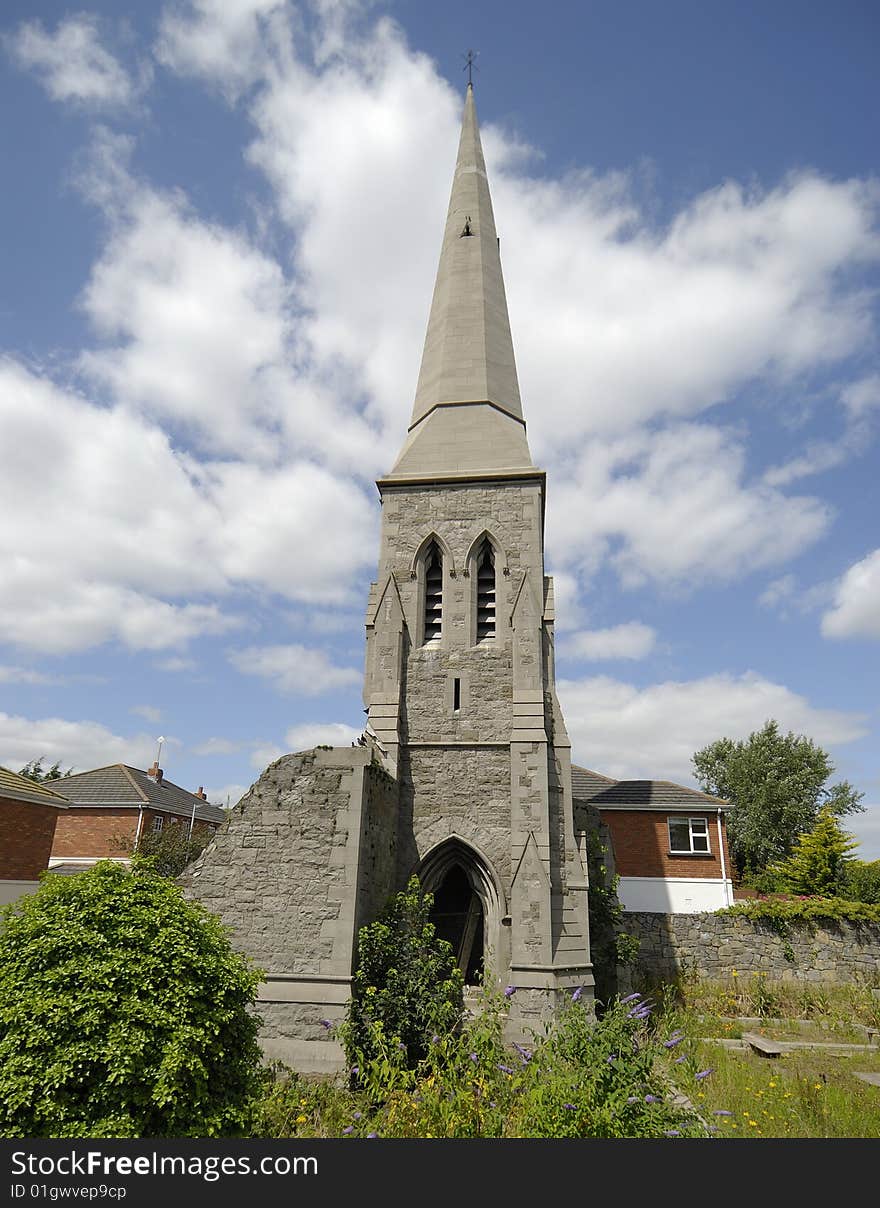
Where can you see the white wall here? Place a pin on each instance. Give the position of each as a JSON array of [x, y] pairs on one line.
[[674, 895]]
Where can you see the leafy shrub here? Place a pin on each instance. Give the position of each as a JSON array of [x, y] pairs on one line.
[[123, 1012], [406, 987], [809, 910], [173, 848], [861, 882]]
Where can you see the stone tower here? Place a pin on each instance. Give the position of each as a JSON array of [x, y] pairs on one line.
[[459, 682], [465, 774]]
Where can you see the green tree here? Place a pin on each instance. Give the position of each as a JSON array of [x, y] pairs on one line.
[[777, 785], [861, 881], [35, 771], [171, 849], [407, 985], [817, 863], [124, 1012]]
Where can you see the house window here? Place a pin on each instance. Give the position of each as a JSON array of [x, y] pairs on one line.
[[687, 835], [158, 823], [485, 591], [433, 593]]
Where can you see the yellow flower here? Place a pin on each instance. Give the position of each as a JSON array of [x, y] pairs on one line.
[[301, 1119], [771, 1083], [817, 1086]]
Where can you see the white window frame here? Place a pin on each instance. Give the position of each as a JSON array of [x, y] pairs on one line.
[[158, 823], [702, 823]]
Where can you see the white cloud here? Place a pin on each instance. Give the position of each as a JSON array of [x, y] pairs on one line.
[[632, 640], [294, 668], [265, 753], [79, 744], [856, 608], [672, 506], [217, 746], [149, 712], [229, 794], [859, 397], [221, 40], [176, 663], [25, 675], [330, 734], [627, 732], [72, 64], [866, 828], [129, 526], [778, 591]]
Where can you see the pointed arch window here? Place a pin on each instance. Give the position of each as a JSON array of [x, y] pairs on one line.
[[485, 564], [433, 593]]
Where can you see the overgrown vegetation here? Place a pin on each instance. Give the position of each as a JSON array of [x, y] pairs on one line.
[[35, 771], [123, 1012], [808, 910], [618, 1077], [171, 849], [406, 987]]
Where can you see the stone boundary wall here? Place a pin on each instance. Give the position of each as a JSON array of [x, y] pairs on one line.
[[710, 946]]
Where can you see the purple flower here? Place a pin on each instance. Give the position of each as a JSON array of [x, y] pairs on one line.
[[370, 1136], [633, 1099], [524, 1053], [631, 997], [703, 1074], [357, 1115], [651, 1099], [679, 1060], [348, 1128], [355, 1070], [572, 1107], [325, 1023], [577, 993], [505, 1069], [510, 991], [474, 1057], [672, 1132], [401, 1046], [672, 1042], [435, 1038], [611, 1060], [722, 1112]]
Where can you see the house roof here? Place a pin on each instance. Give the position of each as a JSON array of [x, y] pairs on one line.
[[605, 793], [15, 787], [122, 785]]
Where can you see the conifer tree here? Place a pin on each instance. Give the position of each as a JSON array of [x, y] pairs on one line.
[[817, 864]]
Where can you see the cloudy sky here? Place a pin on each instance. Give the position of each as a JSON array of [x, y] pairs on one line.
[[222, 220]]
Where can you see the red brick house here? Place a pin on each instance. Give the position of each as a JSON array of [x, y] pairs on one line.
[[122, 803], [669, 842], [29, 812]]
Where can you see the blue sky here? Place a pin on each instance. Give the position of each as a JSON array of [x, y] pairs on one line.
[[222, 220]]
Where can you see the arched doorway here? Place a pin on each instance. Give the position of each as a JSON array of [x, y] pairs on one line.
[[467, 906], [458, 916]]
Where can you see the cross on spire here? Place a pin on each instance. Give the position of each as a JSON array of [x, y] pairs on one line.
[[470, 62]]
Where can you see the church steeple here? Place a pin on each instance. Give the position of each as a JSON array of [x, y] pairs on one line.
[[467, 415]]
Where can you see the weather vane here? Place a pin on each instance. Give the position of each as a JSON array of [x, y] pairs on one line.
[[469, 65]]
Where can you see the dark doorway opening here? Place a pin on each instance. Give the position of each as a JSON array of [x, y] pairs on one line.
[[458, 917]]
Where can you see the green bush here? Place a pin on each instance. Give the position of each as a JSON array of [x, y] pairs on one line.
[[123, 1012], [810, 910], [861, 882], [406, 986]]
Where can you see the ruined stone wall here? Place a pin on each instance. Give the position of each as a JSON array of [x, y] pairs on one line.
[[710, 946], [378, 856], [280, 873]]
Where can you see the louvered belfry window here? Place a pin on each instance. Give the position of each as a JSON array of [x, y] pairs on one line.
[[485, 591], [433, 593]]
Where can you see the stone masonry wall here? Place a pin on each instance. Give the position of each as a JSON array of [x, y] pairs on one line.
[[710, 946], [277, 874], [460, 790]]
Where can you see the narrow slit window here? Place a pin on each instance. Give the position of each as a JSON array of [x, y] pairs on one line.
[[433, 593], [456, 695], [485, 592]]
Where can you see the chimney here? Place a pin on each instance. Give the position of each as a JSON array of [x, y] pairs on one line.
[[201, 793], [155, 772]]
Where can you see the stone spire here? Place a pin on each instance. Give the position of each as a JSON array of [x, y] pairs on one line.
[[467, 416]]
